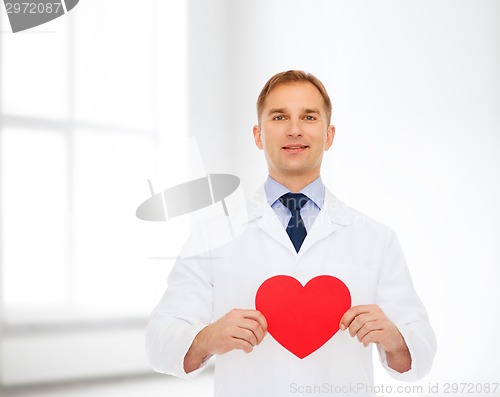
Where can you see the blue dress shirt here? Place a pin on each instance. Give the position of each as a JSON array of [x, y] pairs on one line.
[[315, 191]]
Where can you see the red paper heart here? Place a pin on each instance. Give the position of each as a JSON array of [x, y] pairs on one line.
[[302, 319]]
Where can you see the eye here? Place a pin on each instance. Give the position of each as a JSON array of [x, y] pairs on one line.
[[279, 117], [309, 118]]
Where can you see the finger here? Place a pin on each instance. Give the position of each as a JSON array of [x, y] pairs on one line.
[[352, 313], [257, 316], [250, 314], [241, 344], [359, 321], [255, 327], [245, 334], [369, 326], [371, 337]]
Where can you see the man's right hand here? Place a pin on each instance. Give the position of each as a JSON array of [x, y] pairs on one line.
[[238, 329]]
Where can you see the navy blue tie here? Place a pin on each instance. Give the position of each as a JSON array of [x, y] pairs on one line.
[[295, 229]]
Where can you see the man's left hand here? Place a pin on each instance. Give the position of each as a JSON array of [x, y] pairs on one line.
[[370, 325]]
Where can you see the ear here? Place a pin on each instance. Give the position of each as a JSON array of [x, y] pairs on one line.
[[330, 134], [257, 136]]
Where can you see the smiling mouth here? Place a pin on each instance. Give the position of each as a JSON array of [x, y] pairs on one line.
[[295, 148]]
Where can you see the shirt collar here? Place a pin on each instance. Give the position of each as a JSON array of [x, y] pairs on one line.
[[315, 191]]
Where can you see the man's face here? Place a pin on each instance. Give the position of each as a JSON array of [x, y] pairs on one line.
[[293, 131]]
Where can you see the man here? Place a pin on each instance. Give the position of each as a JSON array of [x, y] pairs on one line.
[[209, 306]]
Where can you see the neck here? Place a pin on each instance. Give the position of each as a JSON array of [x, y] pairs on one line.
[[294, 183]]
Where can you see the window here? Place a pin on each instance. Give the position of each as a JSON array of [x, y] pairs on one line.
[[86, 111]]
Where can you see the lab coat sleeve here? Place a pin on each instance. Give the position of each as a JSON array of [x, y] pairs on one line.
[[398, 299], [184, 310]]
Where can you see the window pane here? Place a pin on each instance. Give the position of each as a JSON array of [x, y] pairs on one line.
[[34, 77], [34, 211], [114, 63], [112, 246]]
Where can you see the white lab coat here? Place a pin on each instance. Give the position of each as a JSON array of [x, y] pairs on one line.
[[343, 243]]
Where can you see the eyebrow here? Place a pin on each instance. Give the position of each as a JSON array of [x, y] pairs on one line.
[[283, 110], [313, 110], [278, 110]]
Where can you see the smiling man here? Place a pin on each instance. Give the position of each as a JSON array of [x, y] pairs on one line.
[[295, 227]]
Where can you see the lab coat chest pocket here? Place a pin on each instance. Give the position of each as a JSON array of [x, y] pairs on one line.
[[355, 264], [238, 276], [361, 281]]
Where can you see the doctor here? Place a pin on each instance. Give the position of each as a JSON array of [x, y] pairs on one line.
[[296, 227]]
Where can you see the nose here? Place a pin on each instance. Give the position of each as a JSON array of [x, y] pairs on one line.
[[294, 128]]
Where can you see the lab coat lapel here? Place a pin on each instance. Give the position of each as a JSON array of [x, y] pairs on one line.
[[261, 212], [333, 216]]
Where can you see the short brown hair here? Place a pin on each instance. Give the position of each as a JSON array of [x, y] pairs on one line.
[[289, 77]]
